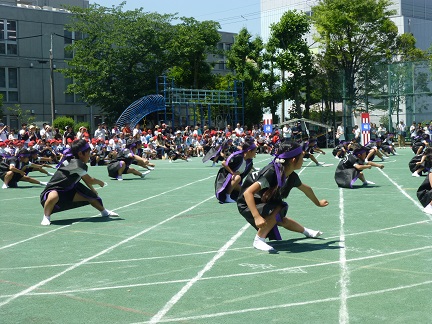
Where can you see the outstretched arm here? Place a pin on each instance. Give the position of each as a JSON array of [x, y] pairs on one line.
[[311, 195], [90, 181]]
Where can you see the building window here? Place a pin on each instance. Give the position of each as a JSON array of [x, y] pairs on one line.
[[8, 37], [9, 84], [69, 38], [70, 97]]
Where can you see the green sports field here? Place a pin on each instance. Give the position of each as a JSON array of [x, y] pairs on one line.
[[176, 255]]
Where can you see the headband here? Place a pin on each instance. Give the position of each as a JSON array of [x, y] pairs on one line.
[[290, 154], [85, 148], [67, 153], [280, 176]]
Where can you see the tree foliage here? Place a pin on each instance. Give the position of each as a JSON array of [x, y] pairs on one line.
[[123, 52], [355, 35], [246, 61], [293, 58], [191, 43]]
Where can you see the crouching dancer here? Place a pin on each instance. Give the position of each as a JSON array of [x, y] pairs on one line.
[[64, 191], [261, 198]]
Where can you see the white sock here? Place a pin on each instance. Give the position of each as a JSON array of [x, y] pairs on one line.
[[311, 233], [260, 244], [46, 220], [104, 213]]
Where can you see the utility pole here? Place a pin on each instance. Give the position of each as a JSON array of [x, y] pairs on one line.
[[52, 82]]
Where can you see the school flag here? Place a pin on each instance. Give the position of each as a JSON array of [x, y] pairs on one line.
[[365, 128]]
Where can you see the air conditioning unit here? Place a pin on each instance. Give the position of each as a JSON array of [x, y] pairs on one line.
[[32, 111]]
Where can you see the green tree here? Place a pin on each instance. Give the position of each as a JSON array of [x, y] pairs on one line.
[[355, 35], [120, 56], [191, 43], [246, 61], [293, 58]]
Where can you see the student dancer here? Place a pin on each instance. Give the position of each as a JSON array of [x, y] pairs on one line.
[[122, 163], [65, 191], [233, 171], [421, 163], [14, 169], [261, 198], [340, 150], [311, 147], [424, 194], [351, 168], [219, 152]]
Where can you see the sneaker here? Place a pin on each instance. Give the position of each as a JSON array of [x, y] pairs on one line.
[[385, 158], [119, 178], [319, 164], [170, 161], [150, 168], [43, 183], [144, 174], [109, 213], [50, 173], [368, 183], [45, 221], [263, 246], [428, 209], [5, 186], [229, 200], [313, 234], [415, 174]]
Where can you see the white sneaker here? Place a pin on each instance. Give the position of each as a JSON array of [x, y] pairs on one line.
[[170, 161], [119, 178], [150, 168], [385, 158], [109, 213], [50, 173], [144, 174], [43, 183], [313, 234], [263, 246], [415, 174], [45, 221], [5, 186], [428, 209], [368, 183]]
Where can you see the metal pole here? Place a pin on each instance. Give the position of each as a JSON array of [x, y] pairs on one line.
[[52, 82]]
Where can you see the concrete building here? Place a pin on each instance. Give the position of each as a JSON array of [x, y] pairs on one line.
[[29, 30]]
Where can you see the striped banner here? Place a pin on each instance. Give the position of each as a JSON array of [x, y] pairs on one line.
[[268, 124], [365, 128]]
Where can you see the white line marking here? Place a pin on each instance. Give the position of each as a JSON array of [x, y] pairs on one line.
[[309, 302], [83, 220], [208, 266], [404, 193], [243, 274], [344, 273], [109, 249], [19, 198]]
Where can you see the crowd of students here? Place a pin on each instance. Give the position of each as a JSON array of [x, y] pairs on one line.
[[259, 194]]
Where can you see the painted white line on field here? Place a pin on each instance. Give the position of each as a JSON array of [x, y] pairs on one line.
[[243, 274], [109, 249], [156, 318], [404, 193], [85, 219], [309, 302], [18, 198], [344, 273]]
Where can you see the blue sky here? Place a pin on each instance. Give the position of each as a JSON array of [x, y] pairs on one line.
[[232, 15]]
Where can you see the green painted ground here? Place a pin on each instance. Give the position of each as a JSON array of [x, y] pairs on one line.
[[176, 255]]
